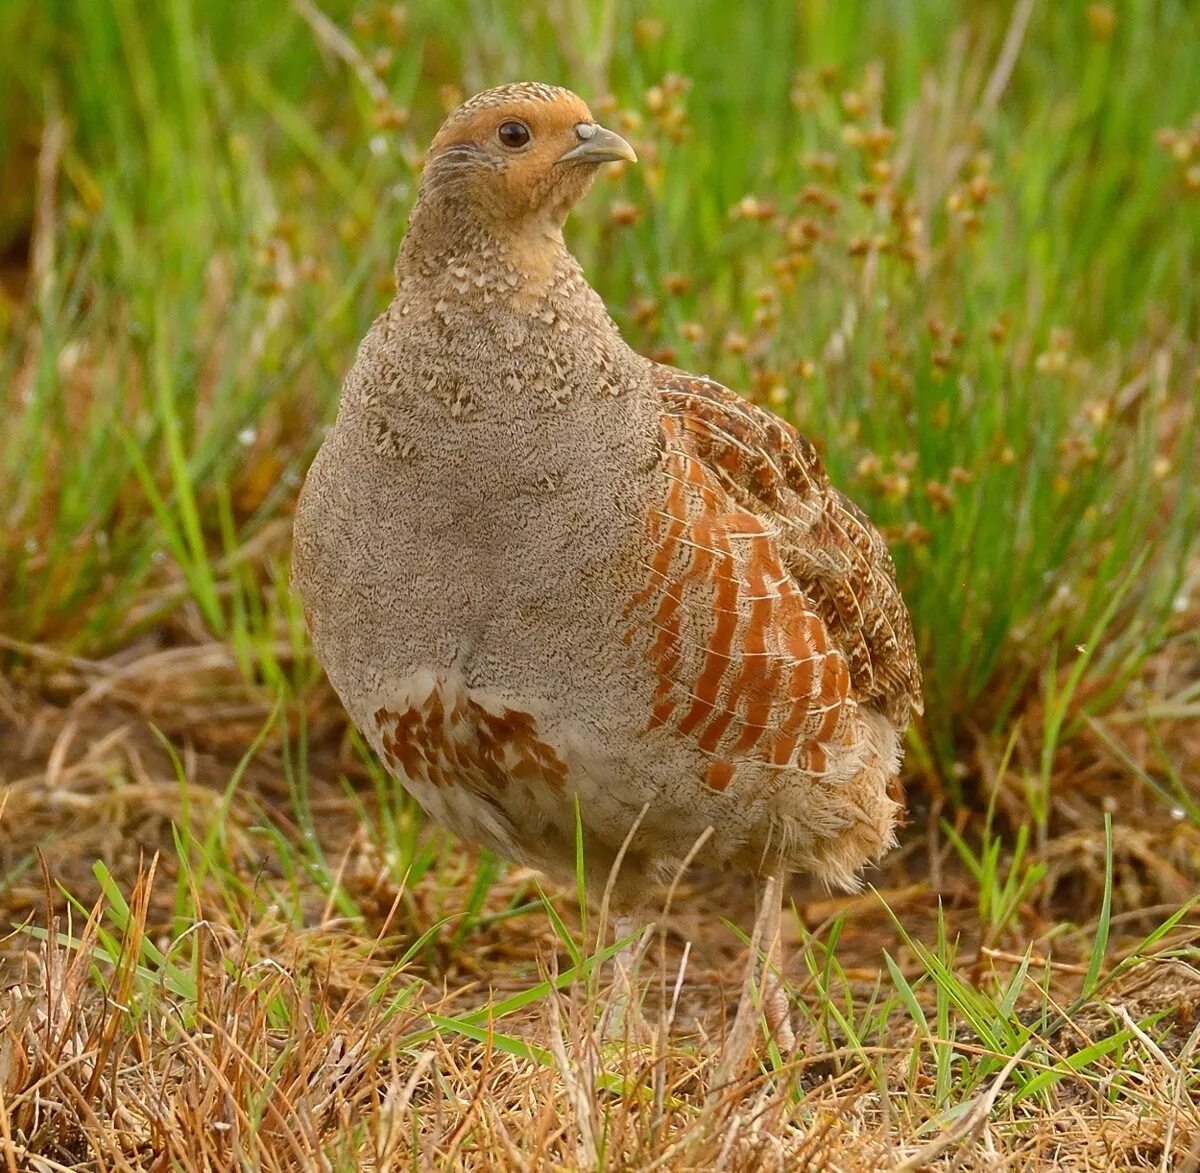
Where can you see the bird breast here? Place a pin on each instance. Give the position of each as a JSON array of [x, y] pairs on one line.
[[477, 506]]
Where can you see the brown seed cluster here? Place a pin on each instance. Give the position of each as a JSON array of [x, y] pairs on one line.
[[1183, 145], [854, 208]]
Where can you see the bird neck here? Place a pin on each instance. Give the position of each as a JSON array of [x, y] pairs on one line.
[[450, 250]]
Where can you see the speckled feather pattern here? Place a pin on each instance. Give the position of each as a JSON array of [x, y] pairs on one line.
[[503, 98], [541, 570]]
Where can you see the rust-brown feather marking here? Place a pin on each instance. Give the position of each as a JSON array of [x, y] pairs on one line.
[[772, 600], [828, 545], [469, 745]]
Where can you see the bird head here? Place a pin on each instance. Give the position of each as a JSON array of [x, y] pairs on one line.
[[518, 156]]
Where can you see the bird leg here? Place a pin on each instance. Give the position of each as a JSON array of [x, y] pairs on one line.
[[626, 960], [775, 1003], [625, 964], [762, 987]]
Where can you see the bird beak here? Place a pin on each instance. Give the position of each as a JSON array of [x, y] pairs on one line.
[[599, 146]]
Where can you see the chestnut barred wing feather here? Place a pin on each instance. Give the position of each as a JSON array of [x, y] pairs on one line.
[[804, 587]]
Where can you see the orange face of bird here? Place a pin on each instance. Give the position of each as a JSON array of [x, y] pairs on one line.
[[520, 152]]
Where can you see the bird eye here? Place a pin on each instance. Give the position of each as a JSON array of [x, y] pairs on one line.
[[514, 134]]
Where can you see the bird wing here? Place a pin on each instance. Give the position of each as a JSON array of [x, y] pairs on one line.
[[771, 597]]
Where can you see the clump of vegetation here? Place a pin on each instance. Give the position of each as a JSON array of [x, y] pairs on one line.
[[957, 246]]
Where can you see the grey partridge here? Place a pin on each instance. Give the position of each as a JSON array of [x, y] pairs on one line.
[[544, 573]]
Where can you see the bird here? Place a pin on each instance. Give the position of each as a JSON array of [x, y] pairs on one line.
[[552, 580]]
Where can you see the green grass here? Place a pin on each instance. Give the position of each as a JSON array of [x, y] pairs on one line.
[[958, 250]]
